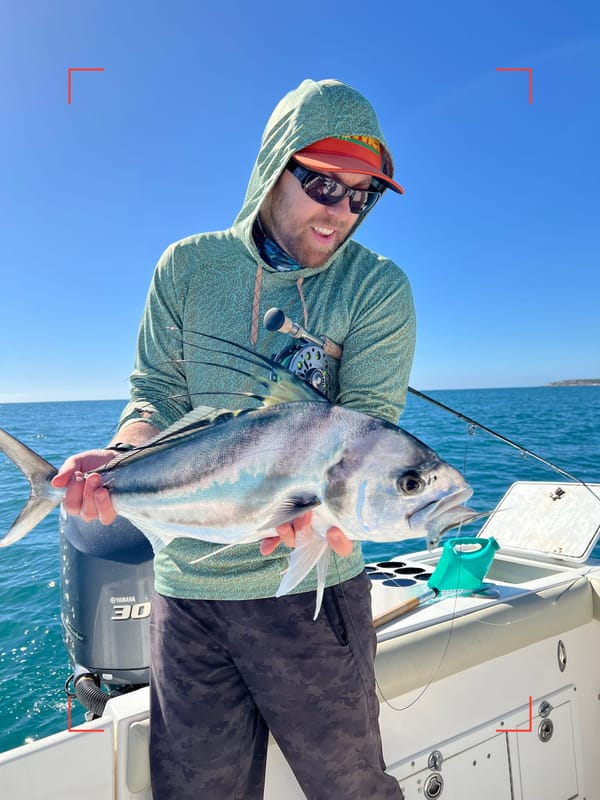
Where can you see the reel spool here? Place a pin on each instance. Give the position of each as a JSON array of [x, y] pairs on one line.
[[310, 358], [309, 362]]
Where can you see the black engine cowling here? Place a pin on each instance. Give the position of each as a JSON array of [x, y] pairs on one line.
[[107, 581]]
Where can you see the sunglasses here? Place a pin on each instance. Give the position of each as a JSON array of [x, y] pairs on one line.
[[329, 192]]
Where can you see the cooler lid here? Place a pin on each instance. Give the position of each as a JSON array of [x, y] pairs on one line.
[[553, 521]]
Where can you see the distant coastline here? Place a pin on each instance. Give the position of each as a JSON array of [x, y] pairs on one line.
[[577, 382]]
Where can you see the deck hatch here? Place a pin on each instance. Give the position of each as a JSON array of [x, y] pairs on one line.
[[553, 521]]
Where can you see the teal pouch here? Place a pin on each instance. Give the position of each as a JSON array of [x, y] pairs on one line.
[[464, 564]]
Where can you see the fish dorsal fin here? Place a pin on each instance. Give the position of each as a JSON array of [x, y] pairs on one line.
[[279, 384], [285, 387], [282, 387], [200, 417]]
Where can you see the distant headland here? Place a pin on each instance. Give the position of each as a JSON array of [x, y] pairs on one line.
[[577, 382]]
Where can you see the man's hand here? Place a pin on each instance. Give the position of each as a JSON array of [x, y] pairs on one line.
[[85, 496], [338, 541]]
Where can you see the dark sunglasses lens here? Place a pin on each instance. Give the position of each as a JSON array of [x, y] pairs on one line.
[[328, 192], [362, 201], [359, 202], [323, 190]]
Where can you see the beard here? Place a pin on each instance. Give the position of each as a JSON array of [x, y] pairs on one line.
[[312, 238]]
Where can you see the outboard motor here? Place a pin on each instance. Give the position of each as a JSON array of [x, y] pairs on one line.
[[107, 581]]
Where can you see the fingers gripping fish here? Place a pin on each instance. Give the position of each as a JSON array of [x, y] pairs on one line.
[[231, 478]]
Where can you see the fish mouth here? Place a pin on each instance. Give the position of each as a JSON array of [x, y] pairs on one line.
[[439, 516]]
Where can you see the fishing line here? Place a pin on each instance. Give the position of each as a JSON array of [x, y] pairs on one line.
[[453, 616], [257, 360], [363, 654], [432, 678], [444, 652], [473, 424], [536, 614]]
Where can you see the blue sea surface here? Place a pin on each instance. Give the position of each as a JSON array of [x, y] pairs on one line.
[[561, 424]]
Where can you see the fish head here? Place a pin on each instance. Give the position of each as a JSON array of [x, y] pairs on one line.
[[390, 486]]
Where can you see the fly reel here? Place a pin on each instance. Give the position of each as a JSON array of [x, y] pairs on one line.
[[311, 358], [309, 362]]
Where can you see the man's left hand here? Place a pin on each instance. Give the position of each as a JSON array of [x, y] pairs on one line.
[[286, 533]]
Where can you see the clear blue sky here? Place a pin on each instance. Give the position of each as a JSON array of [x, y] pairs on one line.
[[499, 230]]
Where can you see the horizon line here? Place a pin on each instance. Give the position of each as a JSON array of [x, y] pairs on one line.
[[551, 385]]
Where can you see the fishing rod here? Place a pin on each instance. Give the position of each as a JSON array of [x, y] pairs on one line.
[[523, 450], [275, 319]]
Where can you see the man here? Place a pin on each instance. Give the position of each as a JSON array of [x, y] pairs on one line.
[[229, 660]]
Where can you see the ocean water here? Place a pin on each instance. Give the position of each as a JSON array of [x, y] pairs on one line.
[[561, 424]]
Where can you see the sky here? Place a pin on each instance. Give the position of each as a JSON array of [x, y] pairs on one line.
[[498, 232]]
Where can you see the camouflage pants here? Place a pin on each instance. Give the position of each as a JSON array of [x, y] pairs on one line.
[[224, 673]]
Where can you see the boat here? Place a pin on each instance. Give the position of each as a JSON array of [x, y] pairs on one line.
[[491, 690]]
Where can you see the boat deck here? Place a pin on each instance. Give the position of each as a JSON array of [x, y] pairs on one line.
[[492, 695]]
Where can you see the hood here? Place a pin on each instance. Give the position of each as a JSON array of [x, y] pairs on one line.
[[315, 110]]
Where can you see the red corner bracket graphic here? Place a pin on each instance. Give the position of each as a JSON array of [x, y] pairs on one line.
[[78, 730], [521, 69], [80, 69], [520, 730]]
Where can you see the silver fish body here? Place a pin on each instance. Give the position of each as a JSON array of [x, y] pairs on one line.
[[235, 480], [232, 477], [232, 480]]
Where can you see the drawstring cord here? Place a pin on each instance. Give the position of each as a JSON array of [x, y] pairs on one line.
[[299, 283], [256, 303]]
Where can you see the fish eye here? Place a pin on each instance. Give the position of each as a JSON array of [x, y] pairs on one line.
[[410, 483]]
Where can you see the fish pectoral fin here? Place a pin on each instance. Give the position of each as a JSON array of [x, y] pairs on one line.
[[291, 508], [216, 552], [322, 569], [310, 550]]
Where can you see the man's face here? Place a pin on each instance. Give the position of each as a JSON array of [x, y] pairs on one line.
[[308, 231]]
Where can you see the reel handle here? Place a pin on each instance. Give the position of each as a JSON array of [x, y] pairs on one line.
[[276, 320]]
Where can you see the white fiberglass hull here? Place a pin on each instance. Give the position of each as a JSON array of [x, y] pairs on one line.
[[494, 697]]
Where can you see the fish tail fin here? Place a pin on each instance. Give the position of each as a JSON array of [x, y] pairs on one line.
[[42, 496], [310, 550]]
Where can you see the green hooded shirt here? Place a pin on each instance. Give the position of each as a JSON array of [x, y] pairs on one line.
[[217, 283]]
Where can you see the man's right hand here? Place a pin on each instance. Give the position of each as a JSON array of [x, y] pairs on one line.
[[86, 496]]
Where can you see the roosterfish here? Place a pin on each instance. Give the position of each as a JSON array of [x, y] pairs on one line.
[[230, 477]]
